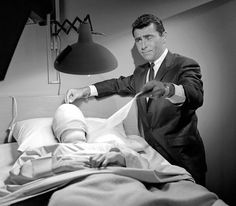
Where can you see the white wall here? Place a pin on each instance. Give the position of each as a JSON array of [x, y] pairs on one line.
[[205, 33]]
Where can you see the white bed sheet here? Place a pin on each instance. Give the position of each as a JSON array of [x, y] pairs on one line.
[[8, 155]]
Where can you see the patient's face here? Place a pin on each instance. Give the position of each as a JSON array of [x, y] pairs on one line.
[[73, 136]]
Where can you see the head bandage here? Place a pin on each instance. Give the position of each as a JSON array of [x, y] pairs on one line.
[[69, 124]]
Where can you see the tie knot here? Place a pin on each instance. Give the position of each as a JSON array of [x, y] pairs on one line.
[[152, 65]]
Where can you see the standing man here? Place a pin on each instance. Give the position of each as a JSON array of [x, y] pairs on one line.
[[172, 92]]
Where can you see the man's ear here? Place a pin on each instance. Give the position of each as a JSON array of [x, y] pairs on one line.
[[164, 35]]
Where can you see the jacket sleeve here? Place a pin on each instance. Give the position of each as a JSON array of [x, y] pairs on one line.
[[190, 78], [122, 86]]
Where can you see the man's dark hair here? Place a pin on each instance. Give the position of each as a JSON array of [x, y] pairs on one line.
[[145, 20]]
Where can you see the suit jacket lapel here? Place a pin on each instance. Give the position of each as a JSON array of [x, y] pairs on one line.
[[165, 66], [142, 81]]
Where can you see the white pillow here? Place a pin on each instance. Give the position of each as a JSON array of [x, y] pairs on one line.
[[32, 133], [36, 132]]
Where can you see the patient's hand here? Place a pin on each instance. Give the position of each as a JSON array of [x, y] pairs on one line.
[[73, 94], [108, 159]]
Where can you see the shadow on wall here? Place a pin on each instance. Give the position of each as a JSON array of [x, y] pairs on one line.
[[137, 58]]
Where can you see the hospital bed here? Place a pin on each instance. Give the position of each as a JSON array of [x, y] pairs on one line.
[[160, 185]]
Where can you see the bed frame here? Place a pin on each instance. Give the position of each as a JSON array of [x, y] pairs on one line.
[[45, 106]]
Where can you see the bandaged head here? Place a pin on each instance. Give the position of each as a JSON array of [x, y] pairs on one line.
[[69, 124]]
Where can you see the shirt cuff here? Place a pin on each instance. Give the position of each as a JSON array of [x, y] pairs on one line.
[[93, 91], [179, 96]]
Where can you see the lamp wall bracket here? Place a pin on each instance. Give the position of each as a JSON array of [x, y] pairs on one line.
[[67, 26]]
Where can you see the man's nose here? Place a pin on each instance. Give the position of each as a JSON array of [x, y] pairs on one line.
[[143, 44]]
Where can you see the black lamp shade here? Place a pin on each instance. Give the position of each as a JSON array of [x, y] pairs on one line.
[[85, 57]]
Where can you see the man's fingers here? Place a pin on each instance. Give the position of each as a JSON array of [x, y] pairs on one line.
[[143, 94], [153, 89], [67, 100], [69, 96], [148, 87], [157, 93]]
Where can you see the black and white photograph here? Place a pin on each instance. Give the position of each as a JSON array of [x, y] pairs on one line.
[[117, 102]]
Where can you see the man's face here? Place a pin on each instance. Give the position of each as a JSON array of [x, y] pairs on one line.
[[149, 42]]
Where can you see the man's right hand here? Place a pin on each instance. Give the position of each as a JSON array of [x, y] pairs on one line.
[[73, 94]]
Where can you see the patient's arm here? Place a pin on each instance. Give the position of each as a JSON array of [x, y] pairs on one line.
[[123, 157], [47, 161], [30, 166], [108, 159]]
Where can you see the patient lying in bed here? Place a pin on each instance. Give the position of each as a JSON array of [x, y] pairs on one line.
[[74, 152], [80, 170]]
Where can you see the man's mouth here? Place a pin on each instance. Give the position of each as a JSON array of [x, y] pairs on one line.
[[146, 52]]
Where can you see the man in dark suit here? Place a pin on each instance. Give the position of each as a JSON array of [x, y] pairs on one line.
[[166, 110]]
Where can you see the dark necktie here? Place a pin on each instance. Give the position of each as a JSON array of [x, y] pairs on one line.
[[150, 78], [151, 72]]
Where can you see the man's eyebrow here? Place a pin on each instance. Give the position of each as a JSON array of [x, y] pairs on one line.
[[137, 38], [148, 35]]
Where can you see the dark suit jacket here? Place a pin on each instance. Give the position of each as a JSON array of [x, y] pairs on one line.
[[170, 129]]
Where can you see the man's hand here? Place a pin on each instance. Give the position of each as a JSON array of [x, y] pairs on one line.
[[156, 89], [73, 94], [110, 158], [153, 89]]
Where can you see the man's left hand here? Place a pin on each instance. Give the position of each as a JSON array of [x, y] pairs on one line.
[[153, 89]]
